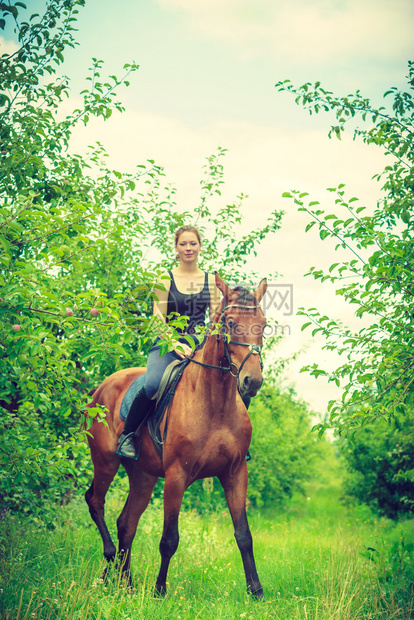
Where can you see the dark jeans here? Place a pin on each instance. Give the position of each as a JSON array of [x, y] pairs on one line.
[[156, 365]]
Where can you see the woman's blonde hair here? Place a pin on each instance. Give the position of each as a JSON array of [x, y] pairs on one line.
[[187, 228]]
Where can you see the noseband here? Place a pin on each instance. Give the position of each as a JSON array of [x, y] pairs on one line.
[[254, 349]]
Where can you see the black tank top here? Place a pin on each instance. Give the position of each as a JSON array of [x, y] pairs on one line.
[[192, 305]]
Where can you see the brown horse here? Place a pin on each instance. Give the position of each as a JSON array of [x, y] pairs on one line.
[[209, 432]]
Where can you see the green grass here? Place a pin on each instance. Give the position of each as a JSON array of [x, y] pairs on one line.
[[312, 561]]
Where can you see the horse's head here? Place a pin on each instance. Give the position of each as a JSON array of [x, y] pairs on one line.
[[243, 322]]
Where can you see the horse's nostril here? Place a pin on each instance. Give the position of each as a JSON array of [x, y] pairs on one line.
[[251, 385]]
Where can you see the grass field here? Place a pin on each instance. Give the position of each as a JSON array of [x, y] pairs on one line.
[[316, 560]]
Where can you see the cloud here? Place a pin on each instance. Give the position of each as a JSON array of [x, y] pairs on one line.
[[7, 46], [300, 31], [263, 160]]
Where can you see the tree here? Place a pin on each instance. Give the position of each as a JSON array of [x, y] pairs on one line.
[[51, 216], [377, 377], [77, 266]]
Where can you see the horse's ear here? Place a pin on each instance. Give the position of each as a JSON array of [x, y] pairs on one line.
[[222, 286], [261, 290]]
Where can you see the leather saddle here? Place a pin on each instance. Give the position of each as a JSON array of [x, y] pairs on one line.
[[162, 401]]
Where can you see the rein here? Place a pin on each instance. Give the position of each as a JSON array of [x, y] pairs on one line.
[[255, 349]]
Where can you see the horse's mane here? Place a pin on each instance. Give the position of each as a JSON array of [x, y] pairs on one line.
[[245, 297]]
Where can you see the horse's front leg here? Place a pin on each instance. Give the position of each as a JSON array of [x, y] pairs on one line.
[[235, 488], [174, 488]]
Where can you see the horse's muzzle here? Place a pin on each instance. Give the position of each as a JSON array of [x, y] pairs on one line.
[[249, 386]]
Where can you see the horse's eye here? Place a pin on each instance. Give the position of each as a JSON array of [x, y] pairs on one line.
[[231, 324]]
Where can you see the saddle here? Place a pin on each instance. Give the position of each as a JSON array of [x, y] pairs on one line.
[[162, 401]]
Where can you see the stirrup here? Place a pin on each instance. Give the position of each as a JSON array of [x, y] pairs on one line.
[[126, 447]]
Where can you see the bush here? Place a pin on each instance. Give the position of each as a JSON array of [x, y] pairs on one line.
[[380, 467], [283, 450]]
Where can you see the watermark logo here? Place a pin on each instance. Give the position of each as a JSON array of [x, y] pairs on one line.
[[279, 298]]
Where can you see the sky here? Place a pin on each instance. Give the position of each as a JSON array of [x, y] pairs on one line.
[[207, 76]]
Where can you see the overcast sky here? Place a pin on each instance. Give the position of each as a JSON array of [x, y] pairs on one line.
[[207, 78]]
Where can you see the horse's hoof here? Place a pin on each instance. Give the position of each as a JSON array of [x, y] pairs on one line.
[[257, 594], [160, 591], [109, 552]]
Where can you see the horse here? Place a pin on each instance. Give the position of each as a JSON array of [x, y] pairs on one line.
[[209, 433]]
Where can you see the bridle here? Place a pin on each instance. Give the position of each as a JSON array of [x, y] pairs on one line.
[[254, 349]]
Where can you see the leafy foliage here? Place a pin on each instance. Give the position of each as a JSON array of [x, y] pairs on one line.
[[81, 250], [377, 378], [380, 467], [283, 447]]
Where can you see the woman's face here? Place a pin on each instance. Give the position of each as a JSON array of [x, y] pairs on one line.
[[188, 247]]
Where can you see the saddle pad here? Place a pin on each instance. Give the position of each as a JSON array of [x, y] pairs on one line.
[[165, 394]]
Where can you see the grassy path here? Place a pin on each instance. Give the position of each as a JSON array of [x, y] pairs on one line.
[[312, 560]]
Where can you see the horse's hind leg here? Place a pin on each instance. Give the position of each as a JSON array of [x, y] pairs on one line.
[[104, 473], [235, 487], [141, 486]]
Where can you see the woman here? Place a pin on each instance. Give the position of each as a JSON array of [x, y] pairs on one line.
[[190, 292]]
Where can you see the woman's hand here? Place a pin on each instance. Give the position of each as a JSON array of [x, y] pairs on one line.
[[183, 350]]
